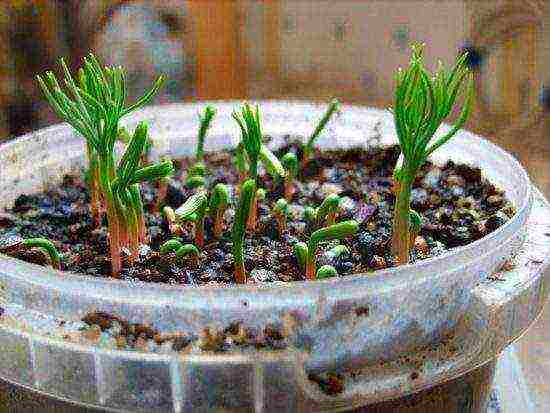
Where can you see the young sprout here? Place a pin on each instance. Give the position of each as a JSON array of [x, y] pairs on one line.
[[126, 192], [305, 253], [253, 150], [290, 163], [194, 209], [338, 251], [310, 214], [44, 245], [181, 250], [251, 136], [328, 210], [125, 137], [173, 226], [326, 213], [333, 107], [280, 212], [219, 201], [196, 173], [253, 215], [326, 271], [248, 191], [205, 120], [422, 102], [94, 105], [162, 190], [240, 162], [415, 226]]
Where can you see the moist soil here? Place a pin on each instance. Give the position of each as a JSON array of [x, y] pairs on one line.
[[457, 204]]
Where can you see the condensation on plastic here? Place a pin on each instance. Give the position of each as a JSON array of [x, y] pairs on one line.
[[408, 306]]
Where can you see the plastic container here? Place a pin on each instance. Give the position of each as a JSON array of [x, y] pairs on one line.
[[401, 308]]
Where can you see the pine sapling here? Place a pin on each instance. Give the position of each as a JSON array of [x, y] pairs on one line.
[[94, 106], [415, 225], [126, 189], [181, 250], [45, 246], [422, 102], [326, 271], [309, 147], [253, 151], [173, 225], [290, 163], [240, 162], [281, 212], [194, 209], [305, 253], [162, 190], [326, 213], [338, 251], [247, 193], [197, 172], [328, 210], [219, 201], [310, 215], [253, 215]]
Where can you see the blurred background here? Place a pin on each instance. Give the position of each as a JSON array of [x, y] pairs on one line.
[[305, 49]]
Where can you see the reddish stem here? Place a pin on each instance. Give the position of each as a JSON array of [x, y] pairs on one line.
[[240, 274], [95, 202], [199, 234], [281, 223], [289, 189], [310, 270], [218, 224], [252, 216], [331, 218], [114, 244], [161, 195]]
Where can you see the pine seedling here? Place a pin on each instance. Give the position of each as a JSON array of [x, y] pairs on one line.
[[126, 189], [44, 245], [181, 250], [173, 225], [251, 151], [248, 191], [310, 215], [415, 225], [309, 147], [162, 190], [290, 163], [326, 213], [328, 210], [338, 251], [219, 201], [305, 253], [196, 173], [281, 212], [194, 209], [422, 102], [253, 215], [93, 106], [240, 162], [326, 271], [251, 136]]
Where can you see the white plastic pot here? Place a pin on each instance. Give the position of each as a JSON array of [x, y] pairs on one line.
[[408, 306]]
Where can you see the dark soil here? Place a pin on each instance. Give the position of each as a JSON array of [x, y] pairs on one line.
[[101, 328], [458, 206]]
